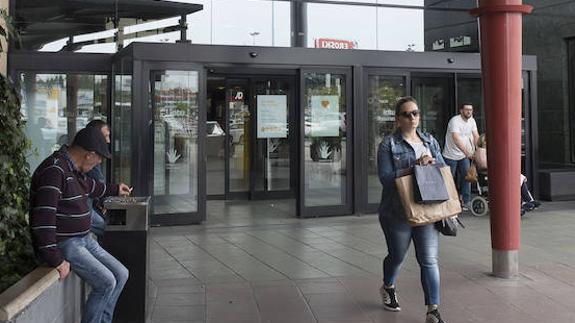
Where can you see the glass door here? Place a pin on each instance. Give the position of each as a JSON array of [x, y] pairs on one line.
[[176, 115], [382, 93], [326, 144], [435, 97], [470, 90], [274, 145], [250, 142], [238, 129]]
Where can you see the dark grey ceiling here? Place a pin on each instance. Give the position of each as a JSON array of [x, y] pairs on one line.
[[43, 21]]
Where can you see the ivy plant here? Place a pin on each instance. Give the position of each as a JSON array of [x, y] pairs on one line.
[[16, 253]]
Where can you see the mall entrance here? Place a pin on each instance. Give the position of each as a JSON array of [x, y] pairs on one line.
[[251, 136], [210, 131]]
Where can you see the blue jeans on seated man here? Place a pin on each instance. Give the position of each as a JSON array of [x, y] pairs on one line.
[[398, 236], [98, 221], [101, 271], [459, 170]]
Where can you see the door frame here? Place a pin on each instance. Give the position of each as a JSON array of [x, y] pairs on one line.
[[144, 129], [249, 76], [293, 140], [328, 210], [363, 132]]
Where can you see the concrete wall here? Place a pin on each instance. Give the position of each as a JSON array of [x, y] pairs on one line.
[[41, 298]]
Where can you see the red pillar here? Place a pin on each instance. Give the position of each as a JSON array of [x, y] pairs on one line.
[[501, 27]]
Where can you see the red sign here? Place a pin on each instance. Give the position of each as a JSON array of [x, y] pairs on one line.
[[334, 43]]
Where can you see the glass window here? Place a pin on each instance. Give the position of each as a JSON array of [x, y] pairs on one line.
[[435, 99], [250, 23], [400, 29], [240, 126], [469, 90], [122, 124], [56, 106], [329, 28], [383, 92], [175, 110], [325, 141]]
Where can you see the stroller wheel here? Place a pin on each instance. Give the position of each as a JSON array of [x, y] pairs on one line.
[[479, 206]]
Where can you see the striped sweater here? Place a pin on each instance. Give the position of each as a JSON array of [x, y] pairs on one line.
[[58, 204]]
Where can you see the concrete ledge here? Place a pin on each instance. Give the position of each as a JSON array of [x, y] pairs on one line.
[[557, 184], [41, 297]]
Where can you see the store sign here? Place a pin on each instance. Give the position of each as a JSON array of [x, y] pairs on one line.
[[272, 116], [237, 96], [459, 41], [325, 117], [335, 43]]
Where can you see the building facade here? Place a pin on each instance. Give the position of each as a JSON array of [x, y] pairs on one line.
[[215, 120]]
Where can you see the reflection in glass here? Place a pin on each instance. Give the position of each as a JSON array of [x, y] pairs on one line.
[[400, 29], [122, 129], [469, 90], [383, 92], [325, 139], [215, 127], [176, 142], [56, 106], [434, 98], [327, 29], [239, 129], [272, 164]]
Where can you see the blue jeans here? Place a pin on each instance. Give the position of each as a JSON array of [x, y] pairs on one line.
[[398, 236], [98, 221], [101, 271], [460, 168]]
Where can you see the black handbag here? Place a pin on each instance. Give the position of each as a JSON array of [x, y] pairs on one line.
[[429, 186], [448, 226]]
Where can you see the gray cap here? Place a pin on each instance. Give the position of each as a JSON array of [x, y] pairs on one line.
[[92, 139]]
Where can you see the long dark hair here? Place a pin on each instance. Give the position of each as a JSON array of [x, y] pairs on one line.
[[98, 123]]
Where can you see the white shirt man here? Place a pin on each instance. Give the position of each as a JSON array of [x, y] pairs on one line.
[[460, 140], [461, 135]]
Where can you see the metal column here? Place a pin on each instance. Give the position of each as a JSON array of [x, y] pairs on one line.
[[501, 24]]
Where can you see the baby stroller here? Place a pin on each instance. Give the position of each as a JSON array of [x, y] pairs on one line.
[[479, 205]]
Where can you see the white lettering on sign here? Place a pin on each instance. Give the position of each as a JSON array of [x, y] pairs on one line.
[[334, 43], [239, 96]]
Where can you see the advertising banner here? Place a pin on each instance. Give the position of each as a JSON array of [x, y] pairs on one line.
[[272, 116], [324, 116]]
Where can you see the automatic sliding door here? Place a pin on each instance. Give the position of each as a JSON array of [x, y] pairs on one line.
[[238, 131], [273, 138], [326, 155], [175, 103], [382, 93], [434, 95]]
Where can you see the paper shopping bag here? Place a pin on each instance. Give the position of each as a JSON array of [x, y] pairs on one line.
[[421, 214]]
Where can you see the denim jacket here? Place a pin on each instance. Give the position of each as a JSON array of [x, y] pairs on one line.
[[394, 156]]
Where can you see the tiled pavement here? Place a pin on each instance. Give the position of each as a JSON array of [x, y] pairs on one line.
[[253, 262]]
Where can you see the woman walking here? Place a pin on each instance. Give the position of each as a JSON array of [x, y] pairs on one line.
[[404, 148]]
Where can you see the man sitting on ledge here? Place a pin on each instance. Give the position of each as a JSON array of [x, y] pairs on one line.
[[60, 221]]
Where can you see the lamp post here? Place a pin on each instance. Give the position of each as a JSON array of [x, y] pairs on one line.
[[254, 35]]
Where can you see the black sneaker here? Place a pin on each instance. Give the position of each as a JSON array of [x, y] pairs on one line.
[[536, 203], [389, 299], [433, 317], [528, 206]]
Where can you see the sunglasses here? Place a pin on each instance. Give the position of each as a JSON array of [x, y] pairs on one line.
[[407, 114]]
